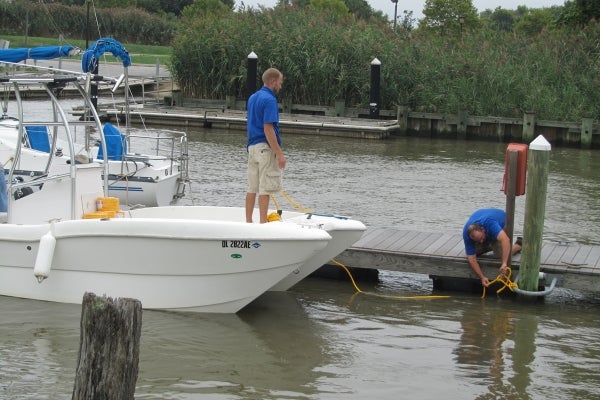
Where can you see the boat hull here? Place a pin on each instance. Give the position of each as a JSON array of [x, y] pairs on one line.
[[344, 232], [200, 266]]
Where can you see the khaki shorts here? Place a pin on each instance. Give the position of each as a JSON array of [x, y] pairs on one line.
[[482, 248], [264, 175]]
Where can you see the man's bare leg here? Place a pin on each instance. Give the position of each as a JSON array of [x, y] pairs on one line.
[[250, 201]]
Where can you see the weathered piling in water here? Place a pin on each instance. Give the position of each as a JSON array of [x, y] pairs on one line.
[[535, 209], [107, 366]]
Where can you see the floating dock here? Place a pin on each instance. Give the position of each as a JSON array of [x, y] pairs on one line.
[[307, 120], [576, 266]]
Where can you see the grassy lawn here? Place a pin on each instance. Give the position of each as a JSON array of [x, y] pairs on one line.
[[140, 54]]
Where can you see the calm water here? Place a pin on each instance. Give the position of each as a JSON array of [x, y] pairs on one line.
[[320, 340]]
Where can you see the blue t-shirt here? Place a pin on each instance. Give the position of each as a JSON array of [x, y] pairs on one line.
[[262, 109], [492, 220]]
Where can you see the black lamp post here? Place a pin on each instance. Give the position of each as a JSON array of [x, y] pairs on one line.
[[461, 21], [395, 12]]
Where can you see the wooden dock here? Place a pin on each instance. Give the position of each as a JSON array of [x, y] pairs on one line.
[[305, 120], [576, 266], [215, 117]]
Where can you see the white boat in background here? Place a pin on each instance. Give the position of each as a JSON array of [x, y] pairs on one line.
[[143, 169], [69, 237]]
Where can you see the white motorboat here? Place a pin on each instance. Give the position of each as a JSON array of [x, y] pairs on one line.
[[135, 178], [69, 237], [344, 231], [143, 169]]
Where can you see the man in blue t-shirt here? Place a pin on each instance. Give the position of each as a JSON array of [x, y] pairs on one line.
[[265, 157], [484, 232]]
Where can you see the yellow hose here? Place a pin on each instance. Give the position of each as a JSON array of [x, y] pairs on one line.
[[339, 264]]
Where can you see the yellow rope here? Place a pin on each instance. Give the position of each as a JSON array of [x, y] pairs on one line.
[[506, 282], [276, 216], [292, 202], [275, 202], [339, 264]]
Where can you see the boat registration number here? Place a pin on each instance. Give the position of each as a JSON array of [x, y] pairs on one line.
[[236, 244]]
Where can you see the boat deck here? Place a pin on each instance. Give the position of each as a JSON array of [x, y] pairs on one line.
[[577, 266]]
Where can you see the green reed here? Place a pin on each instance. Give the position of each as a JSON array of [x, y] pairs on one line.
[[554, 74]]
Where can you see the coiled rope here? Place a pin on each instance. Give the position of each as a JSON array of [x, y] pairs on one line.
[[506, 282]]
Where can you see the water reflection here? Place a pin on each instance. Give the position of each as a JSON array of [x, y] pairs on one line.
[[270, 348], [38, 349], [496, 349]]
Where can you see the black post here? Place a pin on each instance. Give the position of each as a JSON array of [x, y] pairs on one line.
[[375, 82], [251, 77]]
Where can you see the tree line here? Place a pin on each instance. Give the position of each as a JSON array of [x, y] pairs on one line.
[[498, 62]]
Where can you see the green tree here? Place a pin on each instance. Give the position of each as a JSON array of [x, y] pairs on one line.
[[336, 7], [451, 15], [502, 20], [580, 12], [360, 8], [115, 3], [204, 8], [535, 21]]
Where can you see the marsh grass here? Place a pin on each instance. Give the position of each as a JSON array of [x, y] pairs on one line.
[[554, 74]]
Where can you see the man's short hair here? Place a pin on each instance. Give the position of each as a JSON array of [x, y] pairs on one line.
[[269, 74]]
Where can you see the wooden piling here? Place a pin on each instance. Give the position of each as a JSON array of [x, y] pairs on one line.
[[402, 117], [463, 121], [535, 209], [107, 366], [587, 127], [528, 126]]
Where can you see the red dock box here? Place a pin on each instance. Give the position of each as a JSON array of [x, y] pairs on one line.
[[521, 150]]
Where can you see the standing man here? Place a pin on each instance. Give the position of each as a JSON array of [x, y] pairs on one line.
[[483, 232], [265, 157]]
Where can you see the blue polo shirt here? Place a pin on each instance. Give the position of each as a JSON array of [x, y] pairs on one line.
[[262, 109], [492, 220]]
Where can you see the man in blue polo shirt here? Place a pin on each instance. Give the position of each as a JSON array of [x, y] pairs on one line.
[[484, 232], [265, 157]]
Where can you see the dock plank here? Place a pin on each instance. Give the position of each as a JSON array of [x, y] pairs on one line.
[[593, 258], [555, 253], [393, 238], [439, 243]]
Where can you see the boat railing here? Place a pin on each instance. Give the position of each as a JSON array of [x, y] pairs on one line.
[[58, 122], [168, 143]]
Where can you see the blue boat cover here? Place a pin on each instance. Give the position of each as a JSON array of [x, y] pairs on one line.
[[3, 192], [91, 57], [36, 53], [116, 143], [38, 138]]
